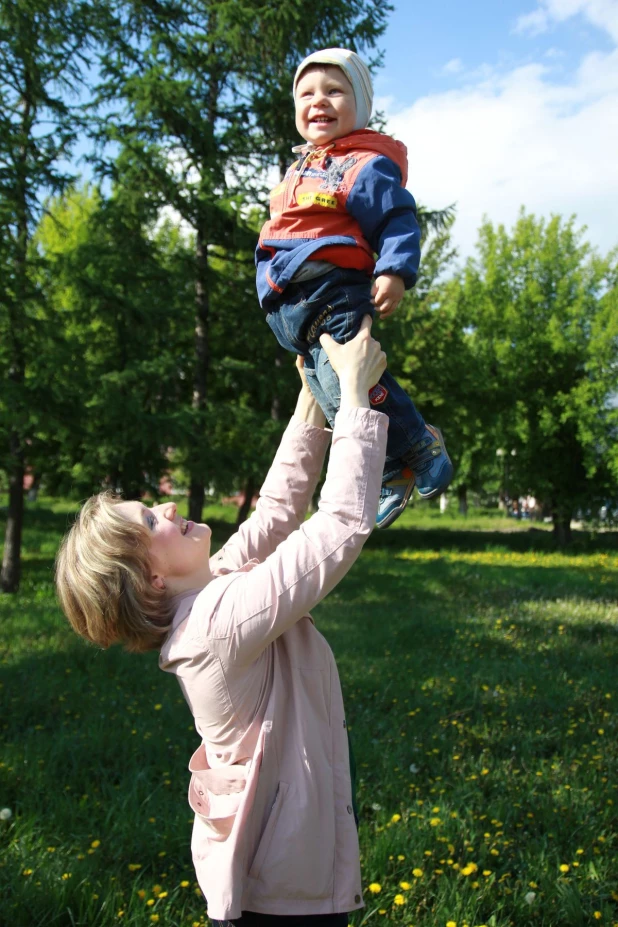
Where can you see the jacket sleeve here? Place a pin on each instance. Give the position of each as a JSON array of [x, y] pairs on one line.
[[284, 497], [263, 603], [386, 213]]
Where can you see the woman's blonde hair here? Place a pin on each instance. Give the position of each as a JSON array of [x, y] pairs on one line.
[[104, 579]]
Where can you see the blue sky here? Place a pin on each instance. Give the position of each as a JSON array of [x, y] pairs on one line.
[[507, 104]]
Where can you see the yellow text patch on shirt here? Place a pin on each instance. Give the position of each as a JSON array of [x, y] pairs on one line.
[[317, 199]]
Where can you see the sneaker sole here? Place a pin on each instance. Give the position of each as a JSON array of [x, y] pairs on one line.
[[445, 483], [394, 515]]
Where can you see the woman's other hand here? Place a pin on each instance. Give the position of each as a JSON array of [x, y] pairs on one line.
[[307, 407], [359, 364]]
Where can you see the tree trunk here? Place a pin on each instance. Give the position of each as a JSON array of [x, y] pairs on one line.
[[11, 559], [202, 306], [562, 528], [462, 496], [245, 508]]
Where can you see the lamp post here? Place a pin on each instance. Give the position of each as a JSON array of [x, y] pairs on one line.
[[501, 455]]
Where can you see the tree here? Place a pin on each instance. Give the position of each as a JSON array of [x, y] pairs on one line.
[[43, 44], [118, 289], [540, 309], [177, 91]]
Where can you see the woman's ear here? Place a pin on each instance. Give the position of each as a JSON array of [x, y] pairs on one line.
[[158, 582]]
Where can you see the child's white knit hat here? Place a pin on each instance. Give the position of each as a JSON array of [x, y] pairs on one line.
[[356, 72]]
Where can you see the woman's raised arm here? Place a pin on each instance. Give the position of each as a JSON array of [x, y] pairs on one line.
[[263, 603], [288, 487]]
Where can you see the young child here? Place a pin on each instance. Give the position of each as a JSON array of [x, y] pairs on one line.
[[343, 201]]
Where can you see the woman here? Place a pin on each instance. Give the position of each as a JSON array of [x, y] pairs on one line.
[[274, 830]]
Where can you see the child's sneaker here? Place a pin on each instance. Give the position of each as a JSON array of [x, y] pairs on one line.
[[430, 463], [394, 497]]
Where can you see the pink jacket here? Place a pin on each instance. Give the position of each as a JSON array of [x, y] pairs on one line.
[[274, 830]]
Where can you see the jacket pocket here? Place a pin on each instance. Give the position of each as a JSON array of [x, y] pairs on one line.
[[266, 839], [215, 794]]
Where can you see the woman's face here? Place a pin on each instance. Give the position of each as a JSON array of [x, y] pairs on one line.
[[179, 549]]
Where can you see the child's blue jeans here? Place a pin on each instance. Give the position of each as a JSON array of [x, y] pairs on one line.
[[336, 303]]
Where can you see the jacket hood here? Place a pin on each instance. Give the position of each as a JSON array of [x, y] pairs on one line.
[[369, 140]]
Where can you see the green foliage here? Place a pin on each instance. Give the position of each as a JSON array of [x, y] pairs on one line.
[[120, 376], [535, 301]]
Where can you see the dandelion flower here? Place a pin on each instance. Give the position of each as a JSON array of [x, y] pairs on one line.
[[27, 872], [417, 873], [184, 884], [95, 844], [451, 924], [133, 867], [6, 814], [597, 915], [435, 822], [395, 818], [405, 886], [564, 867], [375, 888], [399, 899]]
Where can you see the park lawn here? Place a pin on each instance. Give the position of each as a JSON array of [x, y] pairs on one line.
[[479, 670]]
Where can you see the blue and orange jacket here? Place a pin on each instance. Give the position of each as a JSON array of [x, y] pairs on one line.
[[343, 203]]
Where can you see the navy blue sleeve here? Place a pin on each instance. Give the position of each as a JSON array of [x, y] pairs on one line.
[[386, 213]]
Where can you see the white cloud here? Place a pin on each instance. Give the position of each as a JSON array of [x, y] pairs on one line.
[[454, 66], [601, 13], [533, 23], [518, 139]]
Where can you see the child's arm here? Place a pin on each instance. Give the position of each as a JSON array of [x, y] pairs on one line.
[[386, 213]]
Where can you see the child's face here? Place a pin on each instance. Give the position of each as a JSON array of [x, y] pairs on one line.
[[325, 104]]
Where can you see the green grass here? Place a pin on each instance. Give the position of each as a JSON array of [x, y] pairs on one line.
[[479, 667]]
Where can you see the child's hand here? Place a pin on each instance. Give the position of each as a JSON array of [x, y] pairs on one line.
[[387, 292]]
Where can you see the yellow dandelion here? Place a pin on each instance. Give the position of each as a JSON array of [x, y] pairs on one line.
[[405, 886], [417, 873], [451, 924], [184, 884], [158, 707], [156, 889], [163, 894], [375, 888], [597, 915], [395, 818], [141, 894], [564, 867], [65, 876], [435, 822], [133, 867], [154, 918], [399, 899], [150, 902], [27, 872], [95, 844], [401, 858]]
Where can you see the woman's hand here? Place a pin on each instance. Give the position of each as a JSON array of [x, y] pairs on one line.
[[359, 364], [307, 407]]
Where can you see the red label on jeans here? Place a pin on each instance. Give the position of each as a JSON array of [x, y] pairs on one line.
[[378, 394]]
